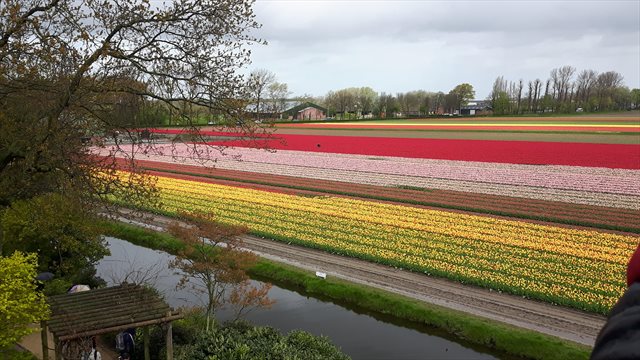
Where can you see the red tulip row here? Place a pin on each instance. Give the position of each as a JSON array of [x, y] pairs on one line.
[[624, 156]]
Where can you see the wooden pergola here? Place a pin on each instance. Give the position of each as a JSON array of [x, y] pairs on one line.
[[90, 313]]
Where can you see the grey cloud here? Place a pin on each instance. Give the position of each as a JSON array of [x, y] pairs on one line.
[[326, 21], [396, 46]]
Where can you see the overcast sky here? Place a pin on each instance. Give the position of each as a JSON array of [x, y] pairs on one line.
[[398, 46]]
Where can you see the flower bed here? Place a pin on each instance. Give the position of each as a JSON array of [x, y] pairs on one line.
[[492, 127], [622, 156], [578, 268], [579, 185], [596, 216]]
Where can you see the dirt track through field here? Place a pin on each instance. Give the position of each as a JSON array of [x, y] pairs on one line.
[[553, 320]]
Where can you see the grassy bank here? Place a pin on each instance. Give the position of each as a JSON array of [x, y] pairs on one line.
[[503, 338]]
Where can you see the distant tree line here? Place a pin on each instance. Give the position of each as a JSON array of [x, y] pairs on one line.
[[565, 91], [365, 102]]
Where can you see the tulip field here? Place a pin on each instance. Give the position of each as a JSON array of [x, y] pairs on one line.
[[494, 151], [551, 221]]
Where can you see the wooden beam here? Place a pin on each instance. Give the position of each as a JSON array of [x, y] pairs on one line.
[[93, 303], [56, 346], [106, 316], [76, 301], [120, 322], [95, 293], [145, 336], [45, 340], [169, 341], [122, 327]]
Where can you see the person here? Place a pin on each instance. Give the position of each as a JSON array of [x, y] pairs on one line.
[[94, 354], [125, 342], [619, 338]]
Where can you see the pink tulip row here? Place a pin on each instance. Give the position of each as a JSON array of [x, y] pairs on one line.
[[350, 176], [619, 181], [591, 186]]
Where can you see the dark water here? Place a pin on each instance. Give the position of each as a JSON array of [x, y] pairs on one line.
[[356, 333]]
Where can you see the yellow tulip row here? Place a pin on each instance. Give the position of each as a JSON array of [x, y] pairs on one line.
[[397, 216], [425, 243], [599, 246], [575, 267]]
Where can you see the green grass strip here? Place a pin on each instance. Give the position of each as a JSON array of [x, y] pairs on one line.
[[626, 228], [500, 337]]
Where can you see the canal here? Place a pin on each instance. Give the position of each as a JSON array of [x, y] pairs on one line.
[[356, 332]]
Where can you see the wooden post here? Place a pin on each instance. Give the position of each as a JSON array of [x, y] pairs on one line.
[[169, 341], [145, 336], [45, 340], [56, 346]]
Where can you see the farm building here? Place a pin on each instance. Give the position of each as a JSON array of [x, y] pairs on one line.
[[305, 111], [477, 107]]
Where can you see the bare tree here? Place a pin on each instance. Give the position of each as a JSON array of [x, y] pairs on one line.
[[259, 82], [386, 105], [438, 102], [278, 94], [529, 96], [366, 98], [607, 83], [537, 85], [561, 78], [73, 77], [65, 67], [519, 97], [214, 264], [585, 84], [499, 87]]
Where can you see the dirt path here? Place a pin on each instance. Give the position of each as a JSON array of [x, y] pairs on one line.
[[553, 320]]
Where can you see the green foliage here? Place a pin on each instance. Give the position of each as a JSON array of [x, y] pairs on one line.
[[243, 341], [58, 229], [464, 92], [237, 340], [184, 331], [57, 286], [20, 303], [14, 354], [501, 104], [635, 98]]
